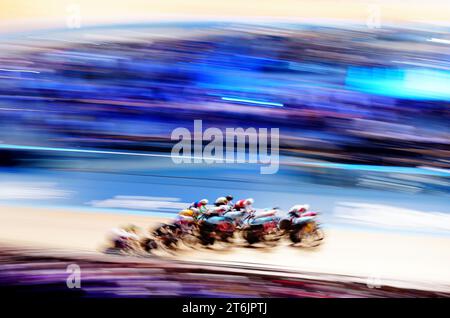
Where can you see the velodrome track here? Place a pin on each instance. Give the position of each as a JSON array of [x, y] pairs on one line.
[[418, 262]]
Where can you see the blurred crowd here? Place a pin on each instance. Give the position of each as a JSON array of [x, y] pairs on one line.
[[313, 83]]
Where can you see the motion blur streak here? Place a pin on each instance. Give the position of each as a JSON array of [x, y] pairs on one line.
[[251, 101], [407, 170], [88, 105]]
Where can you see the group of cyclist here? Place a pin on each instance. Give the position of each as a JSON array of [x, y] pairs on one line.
[[222, 204], [227, 204], [199, 209]]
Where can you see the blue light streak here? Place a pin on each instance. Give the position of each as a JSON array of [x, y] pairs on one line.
[[251, 101]]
